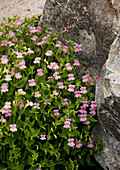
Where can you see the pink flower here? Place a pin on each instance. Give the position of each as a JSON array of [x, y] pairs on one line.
[[32, 82], [87, 122], [83, 90], [78, 144], [7, 105], [23, 43], [96, 78], [85, 103], [78, 48], [30, 51], [1, 33], [65, 101], [20, 91], [3, 120], [40, 72], [4, 59], [66, 29], [93, 110], [50, 66], [56, 112], [68, 120], [10, 43], [6, 70], [13, 72], [37, 60], [5, 110], [34, 38], [93, 104], [15, 39], [45, 101], [71, 142], [43, 137], [22, 64], [90, 144], [56, 75], [13, 128], [29, 103], [8, 114], [58, 44], [83, 109], [68, 66], [19, 55], [36, 106], [8, 77], [66, 124], [39, 43], [45, 39], [4, 43], [71, 77], [77, 93], [38, 29], [91, 82], [49, 53], [11, 34], [54, 65], [37, 94], [85, 78], [20, 105], [33, 29], [83, 117], [65, 48], [38, 49], [61, 86], [4, 87], [18, 76], [55, 92], [71, 88], [49, 78]]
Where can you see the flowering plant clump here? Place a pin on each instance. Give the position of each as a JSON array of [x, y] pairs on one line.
[[47, 112]]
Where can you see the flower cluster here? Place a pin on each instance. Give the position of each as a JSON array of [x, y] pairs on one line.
[[6, 111], [43, 101]]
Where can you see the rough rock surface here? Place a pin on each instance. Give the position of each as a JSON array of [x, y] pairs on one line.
[[92, 23], [108, 110], [25, 8]]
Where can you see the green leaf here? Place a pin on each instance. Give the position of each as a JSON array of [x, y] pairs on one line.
[[7, 140], [81, 161], [30, 160], [10, 92], [58, 103], [66, 149], [48, 137], [92, 119], [35, 133], [20, 83], [20, 167]]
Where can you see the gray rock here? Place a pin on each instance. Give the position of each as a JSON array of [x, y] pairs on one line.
[[108, 110], [109, 158], [94, 24]]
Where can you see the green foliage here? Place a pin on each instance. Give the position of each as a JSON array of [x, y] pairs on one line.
[[37, 134]]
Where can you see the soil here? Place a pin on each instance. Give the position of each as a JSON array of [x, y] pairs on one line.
[[25, 8]]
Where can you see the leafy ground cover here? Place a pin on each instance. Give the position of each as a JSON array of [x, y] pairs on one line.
[[47, 112]]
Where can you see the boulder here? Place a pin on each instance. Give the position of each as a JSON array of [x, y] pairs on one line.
[[94, 24], [108, 110]]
